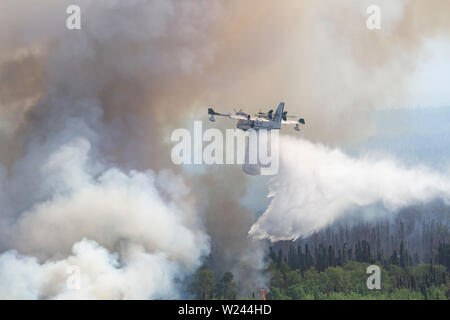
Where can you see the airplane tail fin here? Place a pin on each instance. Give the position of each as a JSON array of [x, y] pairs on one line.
[[279, 113], [211, 113]]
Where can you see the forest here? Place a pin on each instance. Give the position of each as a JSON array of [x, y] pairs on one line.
[[412, 251]]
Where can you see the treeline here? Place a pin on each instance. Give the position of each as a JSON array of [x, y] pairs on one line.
[[414, 236], [302, 276], [349, 282], [323, 257], [413, 252]]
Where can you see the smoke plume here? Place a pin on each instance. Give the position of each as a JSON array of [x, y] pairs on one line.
[[75, 185], [140, 227]]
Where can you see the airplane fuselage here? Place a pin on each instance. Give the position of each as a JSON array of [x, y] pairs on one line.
[[268, 121], [256, 125]]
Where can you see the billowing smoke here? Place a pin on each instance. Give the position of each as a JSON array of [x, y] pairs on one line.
[[228, 221], [77, 140], [131, 234], [102, 275], [318, 185], [85, 116]]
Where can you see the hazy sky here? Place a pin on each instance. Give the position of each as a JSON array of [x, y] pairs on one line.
[[418, 132]]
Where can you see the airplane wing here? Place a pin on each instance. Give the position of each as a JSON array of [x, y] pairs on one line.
[[235, 116], [212, 113], [297, 123], [288, 121]]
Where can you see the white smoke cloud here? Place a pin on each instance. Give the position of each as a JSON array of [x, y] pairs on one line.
[[317, 185], [102, 275], [135, 245]]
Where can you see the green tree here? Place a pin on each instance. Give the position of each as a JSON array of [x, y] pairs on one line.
[[203, 284], [277, 294], [226, 288], [443, 255], [437, 293], [406, 294]]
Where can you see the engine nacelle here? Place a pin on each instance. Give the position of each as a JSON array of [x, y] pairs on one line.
[[244, 114]]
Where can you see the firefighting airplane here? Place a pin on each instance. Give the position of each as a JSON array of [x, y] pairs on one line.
[[261, 120]]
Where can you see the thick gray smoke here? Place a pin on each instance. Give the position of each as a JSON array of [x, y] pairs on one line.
[[228, 221], [69, 194], [142, 228], [133, 234], [92, 113]]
